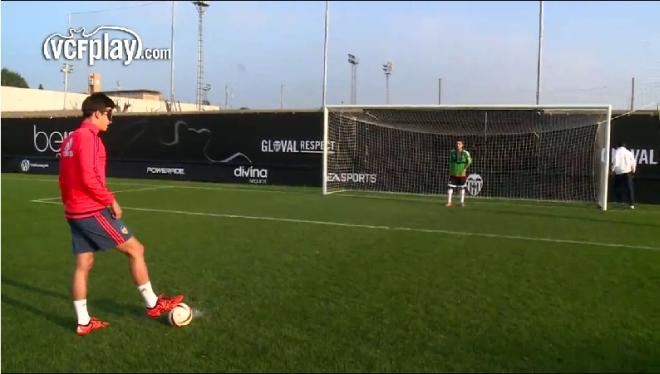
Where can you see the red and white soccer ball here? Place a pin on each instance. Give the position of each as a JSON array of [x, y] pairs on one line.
[[181, 315]]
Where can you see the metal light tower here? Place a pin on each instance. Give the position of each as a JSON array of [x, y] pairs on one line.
[[67, 69], [354, 63], [201, 8], [387, 68], [206, 89]]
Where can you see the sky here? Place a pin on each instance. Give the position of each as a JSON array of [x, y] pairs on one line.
[[484, 52]]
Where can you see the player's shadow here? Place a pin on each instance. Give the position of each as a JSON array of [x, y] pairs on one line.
[[59, 320], [106, 307]]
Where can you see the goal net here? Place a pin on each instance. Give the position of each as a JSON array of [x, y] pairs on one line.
[[555, 153]]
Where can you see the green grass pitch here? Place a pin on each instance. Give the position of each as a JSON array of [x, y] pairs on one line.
[[287, 280]]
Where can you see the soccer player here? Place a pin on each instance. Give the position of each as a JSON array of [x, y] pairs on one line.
[[623, 167], [459, 161], [95, 216]]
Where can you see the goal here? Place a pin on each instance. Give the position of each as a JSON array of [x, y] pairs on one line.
[[551, 153]]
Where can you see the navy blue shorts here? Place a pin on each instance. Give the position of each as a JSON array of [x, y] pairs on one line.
[[98, 233], [455, 181]]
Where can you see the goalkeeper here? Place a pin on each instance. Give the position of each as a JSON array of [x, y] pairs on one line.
[[459, 161]]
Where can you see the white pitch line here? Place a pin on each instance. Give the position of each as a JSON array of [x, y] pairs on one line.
[[208, 188], [392, 228], [397, 197], [56, 180], [145, 189], [44, 199]]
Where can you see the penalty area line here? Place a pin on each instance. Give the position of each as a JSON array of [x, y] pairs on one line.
[[384, 228]]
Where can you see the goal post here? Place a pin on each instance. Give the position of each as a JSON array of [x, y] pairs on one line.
[[536, 152]]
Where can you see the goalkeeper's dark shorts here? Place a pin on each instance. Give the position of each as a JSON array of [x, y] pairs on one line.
[[457, 181]]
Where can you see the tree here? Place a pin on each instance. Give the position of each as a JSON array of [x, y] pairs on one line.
[[41, 86], [13, 79]]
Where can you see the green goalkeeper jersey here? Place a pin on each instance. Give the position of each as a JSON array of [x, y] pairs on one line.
[[459, 162]]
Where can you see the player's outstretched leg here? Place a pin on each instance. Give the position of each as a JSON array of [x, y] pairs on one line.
[[156, 305]]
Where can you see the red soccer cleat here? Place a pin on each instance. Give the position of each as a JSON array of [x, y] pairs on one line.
[[448, 205], [93, 324], [164, 304]]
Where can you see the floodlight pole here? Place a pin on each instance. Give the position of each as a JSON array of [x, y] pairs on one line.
[[632, 95], [387, 68], [226, 96], [325, 55], [354, 62], [439, 91], [172, 61], [67, 67], [201, 8], [539, 62]]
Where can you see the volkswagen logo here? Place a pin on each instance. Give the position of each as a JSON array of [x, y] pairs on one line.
[[25, 166]]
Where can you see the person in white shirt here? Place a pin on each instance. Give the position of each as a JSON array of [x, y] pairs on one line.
[[623, 167]]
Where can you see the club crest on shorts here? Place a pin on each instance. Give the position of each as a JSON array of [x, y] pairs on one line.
[[474, 183], [124, 230]]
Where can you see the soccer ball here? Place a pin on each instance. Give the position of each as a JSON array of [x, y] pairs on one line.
[[181, 315]]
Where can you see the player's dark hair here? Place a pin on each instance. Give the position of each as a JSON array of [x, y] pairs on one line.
[[97, 101]]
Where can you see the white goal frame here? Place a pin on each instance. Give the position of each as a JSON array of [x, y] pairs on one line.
[[605, 108]]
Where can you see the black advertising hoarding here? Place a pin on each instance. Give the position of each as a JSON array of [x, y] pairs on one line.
[[30, 145], [283, 148], [641, 133], [251, 147]]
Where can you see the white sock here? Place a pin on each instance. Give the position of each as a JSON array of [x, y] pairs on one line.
[[462, 195], [150, 297], [449, 193], [81, 311]]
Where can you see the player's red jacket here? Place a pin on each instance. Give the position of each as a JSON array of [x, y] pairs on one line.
[[82, 173]]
